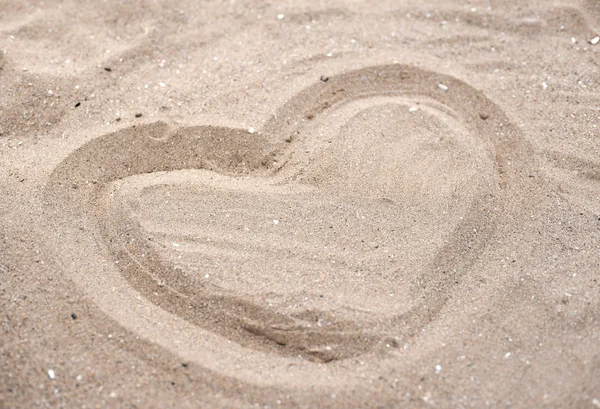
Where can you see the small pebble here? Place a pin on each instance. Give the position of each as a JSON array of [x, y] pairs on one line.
[[275, 221], [139, 114], [280, 16], [438, 369], [77, 104], [483, 116], [442, 87], [413, 109], [107, 69], [162, 84], [594, 40], [251, 130], [74, 316], [51, 374]]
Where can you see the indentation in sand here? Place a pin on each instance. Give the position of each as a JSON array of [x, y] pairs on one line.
[[350, 231]]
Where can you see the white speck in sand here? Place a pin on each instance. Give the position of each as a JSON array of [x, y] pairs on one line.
[[51, 374], [438, 369], [251, 130], [275, 221], [443, 87], [280, 16]]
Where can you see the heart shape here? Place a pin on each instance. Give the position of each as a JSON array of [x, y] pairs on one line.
[[373, 177]]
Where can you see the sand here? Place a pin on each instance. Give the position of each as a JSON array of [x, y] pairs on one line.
[[336, 205]]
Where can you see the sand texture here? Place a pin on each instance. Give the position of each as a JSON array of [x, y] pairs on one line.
[[299, 204]]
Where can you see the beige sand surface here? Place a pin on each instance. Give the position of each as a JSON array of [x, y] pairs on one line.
[[299, 204]]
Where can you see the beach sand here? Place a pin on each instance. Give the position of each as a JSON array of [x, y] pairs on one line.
[[299, 204]]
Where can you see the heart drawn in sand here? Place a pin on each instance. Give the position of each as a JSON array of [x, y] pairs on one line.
[[337, 228]]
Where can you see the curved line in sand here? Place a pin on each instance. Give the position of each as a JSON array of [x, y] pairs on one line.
[[126, 278]]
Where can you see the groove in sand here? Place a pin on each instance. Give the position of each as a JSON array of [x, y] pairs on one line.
[[436, 208]]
